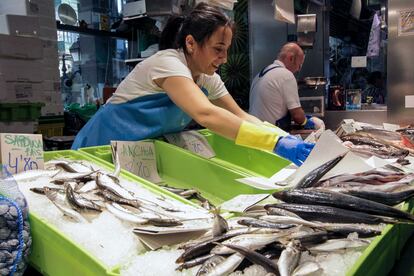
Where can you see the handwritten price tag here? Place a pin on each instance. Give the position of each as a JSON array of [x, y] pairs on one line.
[[192, 141], [138, 158], [21, 152]]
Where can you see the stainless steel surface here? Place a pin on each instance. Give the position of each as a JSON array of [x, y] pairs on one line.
[[400, 65], [267, 36], [306, 23], [332, 119]]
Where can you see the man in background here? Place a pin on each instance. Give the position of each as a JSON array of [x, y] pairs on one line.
[[274, 93]]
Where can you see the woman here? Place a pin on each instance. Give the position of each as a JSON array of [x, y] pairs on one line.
[[178, 83]]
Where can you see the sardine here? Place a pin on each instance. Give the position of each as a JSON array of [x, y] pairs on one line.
[[79, 202], [313, 177], [331, 214], [124, 214], [105, 182], [108, 195], [255, 258], [339, 200], [210, 264], [62, 205], [343, 230], [41, 191], [289, 259], [289, 220], [89, 186], [31, 175]]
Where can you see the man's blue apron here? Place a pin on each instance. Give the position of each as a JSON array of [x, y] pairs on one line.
[[285, 122], [145, 117]]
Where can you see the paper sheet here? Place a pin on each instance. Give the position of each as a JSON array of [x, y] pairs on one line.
[[241, 203], [284, 11], [155, 241], [192, 141]]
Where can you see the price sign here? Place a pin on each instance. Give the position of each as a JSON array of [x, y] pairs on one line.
[[21, 152], [192, 141], [138, 158]]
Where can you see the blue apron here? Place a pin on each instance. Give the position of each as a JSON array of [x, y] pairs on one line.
[[144, 117], [285, 122]]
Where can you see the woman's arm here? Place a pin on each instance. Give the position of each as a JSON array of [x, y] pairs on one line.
[[227, 102], [188, 96]]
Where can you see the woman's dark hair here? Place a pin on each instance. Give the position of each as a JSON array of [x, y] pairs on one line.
[[201, 23]]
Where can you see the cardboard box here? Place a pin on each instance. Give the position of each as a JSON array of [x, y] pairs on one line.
[[53, 97], [19, 25], [52, 109], [19, 7], [21, 92], [15, 70], [19, 127], [20, 47]]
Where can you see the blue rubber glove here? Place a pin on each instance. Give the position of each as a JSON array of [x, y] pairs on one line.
[[293, 149], [309, 123]]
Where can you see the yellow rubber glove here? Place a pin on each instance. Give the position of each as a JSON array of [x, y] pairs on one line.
[[263, 136]]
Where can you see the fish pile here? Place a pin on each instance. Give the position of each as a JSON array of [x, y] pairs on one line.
[[190, 194], [381, 143]]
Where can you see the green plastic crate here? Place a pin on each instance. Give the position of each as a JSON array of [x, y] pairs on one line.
[[251, 161], [180, 167], [54, 254], [12, 112], [183, 169]]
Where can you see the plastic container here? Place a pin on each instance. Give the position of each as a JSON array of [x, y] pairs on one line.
[[251, 161], [183, 169], [53, 253], [51, 126], [10, 112]]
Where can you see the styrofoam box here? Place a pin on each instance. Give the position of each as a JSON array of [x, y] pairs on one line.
[[50, 73], [51, 85], [21, 70], [54, 97], [19, 7], [20, 47], [48, 33], [19, 127], [21, 91], [19, 25], [52, 109]]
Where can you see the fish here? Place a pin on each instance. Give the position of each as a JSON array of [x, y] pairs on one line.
[[104, 181], [196, 261], [41, 191], [313, 177], [386, 198], [331, 214], [31, 175], [219, 267], [108, 195], [343, 230], [289, 259], [78, 202], [124, 214], [62, 205], [289, 220], [281, 212], [308, 269], [339, 200], [339, 244], [255, 258], [117, 161], [63, 177], [263, 224], [220, 225]]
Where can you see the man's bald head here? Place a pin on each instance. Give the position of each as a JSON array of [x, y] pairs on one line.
[[292, 56]]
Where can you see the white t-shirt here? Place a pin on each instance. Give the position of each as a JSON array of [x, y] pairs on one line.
[[274, 94], [166, 63]]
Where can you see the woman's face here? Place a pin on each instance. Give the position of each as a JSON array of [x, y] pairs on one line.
[[208, 57]]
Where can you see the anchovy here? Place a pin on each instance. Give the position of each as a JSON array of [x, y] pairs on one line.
[[339, 244], [289, 259], [124, 214], [78, 202], [104, 181], [334, 199], [281, 212], [195, 262], [108, 195], [61, 178], [343, 230], [332, 214], [306, 239], [202, 248], [88, 186], [225, 267], [220, 225], [41, 191], [163, 222], [31, 175], [308, 269], [255, 258], [263, 224], [313, 177]]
